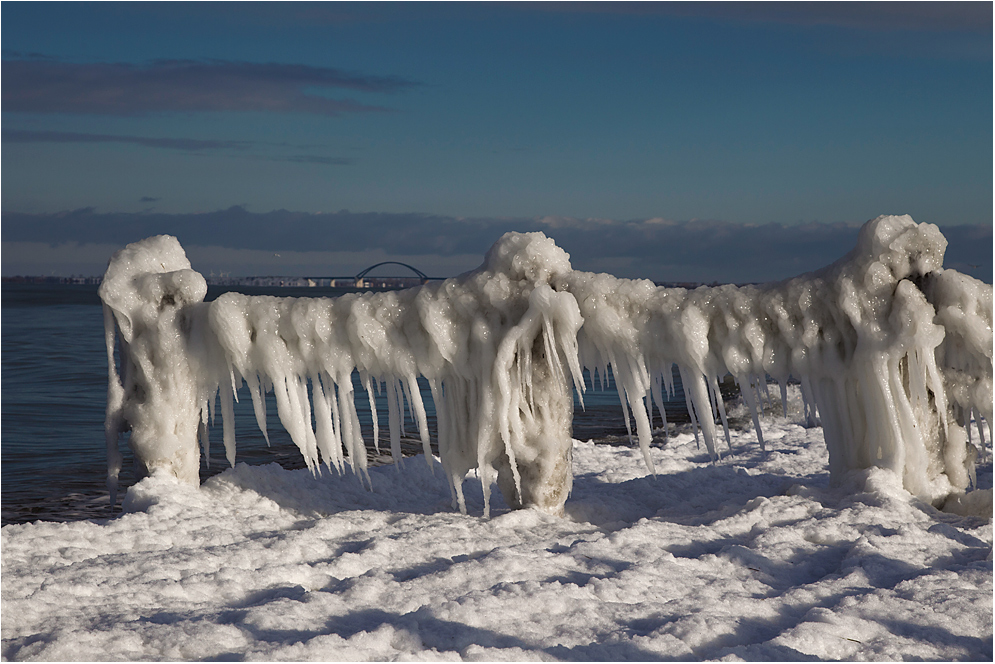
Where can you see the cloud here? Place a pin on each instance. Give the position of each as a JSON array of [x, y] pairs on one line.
[[49, 86], [21, 55], [183, 144], [186, 144], [876, 16], [917, 16], [63, 259], [701, 250], [149, 199], [317, 159]]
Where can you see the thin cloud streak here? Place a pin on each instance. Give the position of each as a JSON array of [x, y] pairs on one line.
[[317, 159], [185, 144], [658, 249], [872, 16], [48, 86]]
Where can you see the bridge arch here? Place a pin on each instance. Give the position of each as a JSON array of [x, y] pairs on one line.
[[362, 275], [421, 275]]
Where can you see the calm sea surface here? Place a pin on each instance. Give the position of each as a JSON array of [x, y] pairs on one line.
[[54, 383]]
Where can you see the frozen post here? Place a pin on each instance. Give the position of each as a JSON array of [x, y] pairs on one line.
[[150, 294]]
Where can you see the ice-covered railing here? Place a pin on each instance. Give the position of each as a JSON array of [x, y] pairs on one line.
[[498, 347], [894, 354]]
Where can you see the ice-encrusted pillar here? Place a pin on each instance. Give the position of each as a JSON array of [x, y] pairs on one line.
[[148, 292]]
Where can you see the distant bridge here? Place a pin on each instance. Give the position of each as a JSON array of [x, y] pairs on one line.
[[361, 277], [360, 280], [421, 275]]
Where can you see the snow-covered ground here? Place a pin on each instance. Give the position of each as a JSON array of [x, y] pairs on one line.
[[749, 558]]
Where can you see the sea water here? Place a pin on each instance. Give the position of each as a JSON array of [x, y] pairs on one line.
[[54, 382]]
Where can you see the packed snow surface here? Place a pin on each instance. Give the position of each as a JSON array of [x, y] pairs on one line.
[[753, 557]]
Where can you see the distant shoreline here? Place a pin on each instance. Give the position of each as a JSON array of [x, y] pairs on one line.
[[276, 281]]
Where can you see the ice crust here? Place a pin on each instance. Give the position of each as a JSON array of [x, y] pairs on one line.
[[893, 352]]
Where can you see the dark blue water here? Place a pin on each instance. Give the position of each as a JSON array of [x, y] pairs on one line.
[[54, 382]]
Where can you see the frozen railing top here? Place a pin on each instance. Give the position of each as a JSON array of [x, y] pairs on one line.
[[893, 353]]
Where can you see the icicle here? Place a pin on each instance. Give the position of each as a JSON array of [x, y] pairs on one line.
[[965, 421], [457, 484], [208, 405], [711, 398], [759, 395], [658, 396], [722, 411], [312, 443], [368, 384], [338, 434], [668, 379], [811, 413], [344, 388], [783, 384], [441, 419], [414, 395], [690, 406], [328, 443], [289, 409], [699, 398], [746, 389], [235, 382], [486, 479], [402, 395], [228, 422], [620, 390], [258, 403], [394, 416], [205, 443], [644, 432], [979, 422]]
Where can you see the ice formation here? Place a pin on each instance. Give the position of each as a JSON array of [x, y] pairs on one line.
[[893, 352]]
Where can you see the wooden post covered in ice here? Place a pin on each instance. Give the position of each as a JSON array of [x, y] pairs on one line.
[[891, 351]]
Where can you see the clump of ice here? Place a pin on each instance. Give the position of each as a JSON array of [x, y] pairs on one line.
[[149, 291], [862, 335], [893, 354], [496, 345]]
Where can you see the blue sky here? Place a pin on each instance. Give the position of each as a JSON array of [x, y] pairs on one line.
[[627, 132]]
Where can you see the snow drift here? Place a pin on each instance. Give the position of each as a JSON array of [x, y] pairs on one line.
[[753, 558], [893, 352]]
